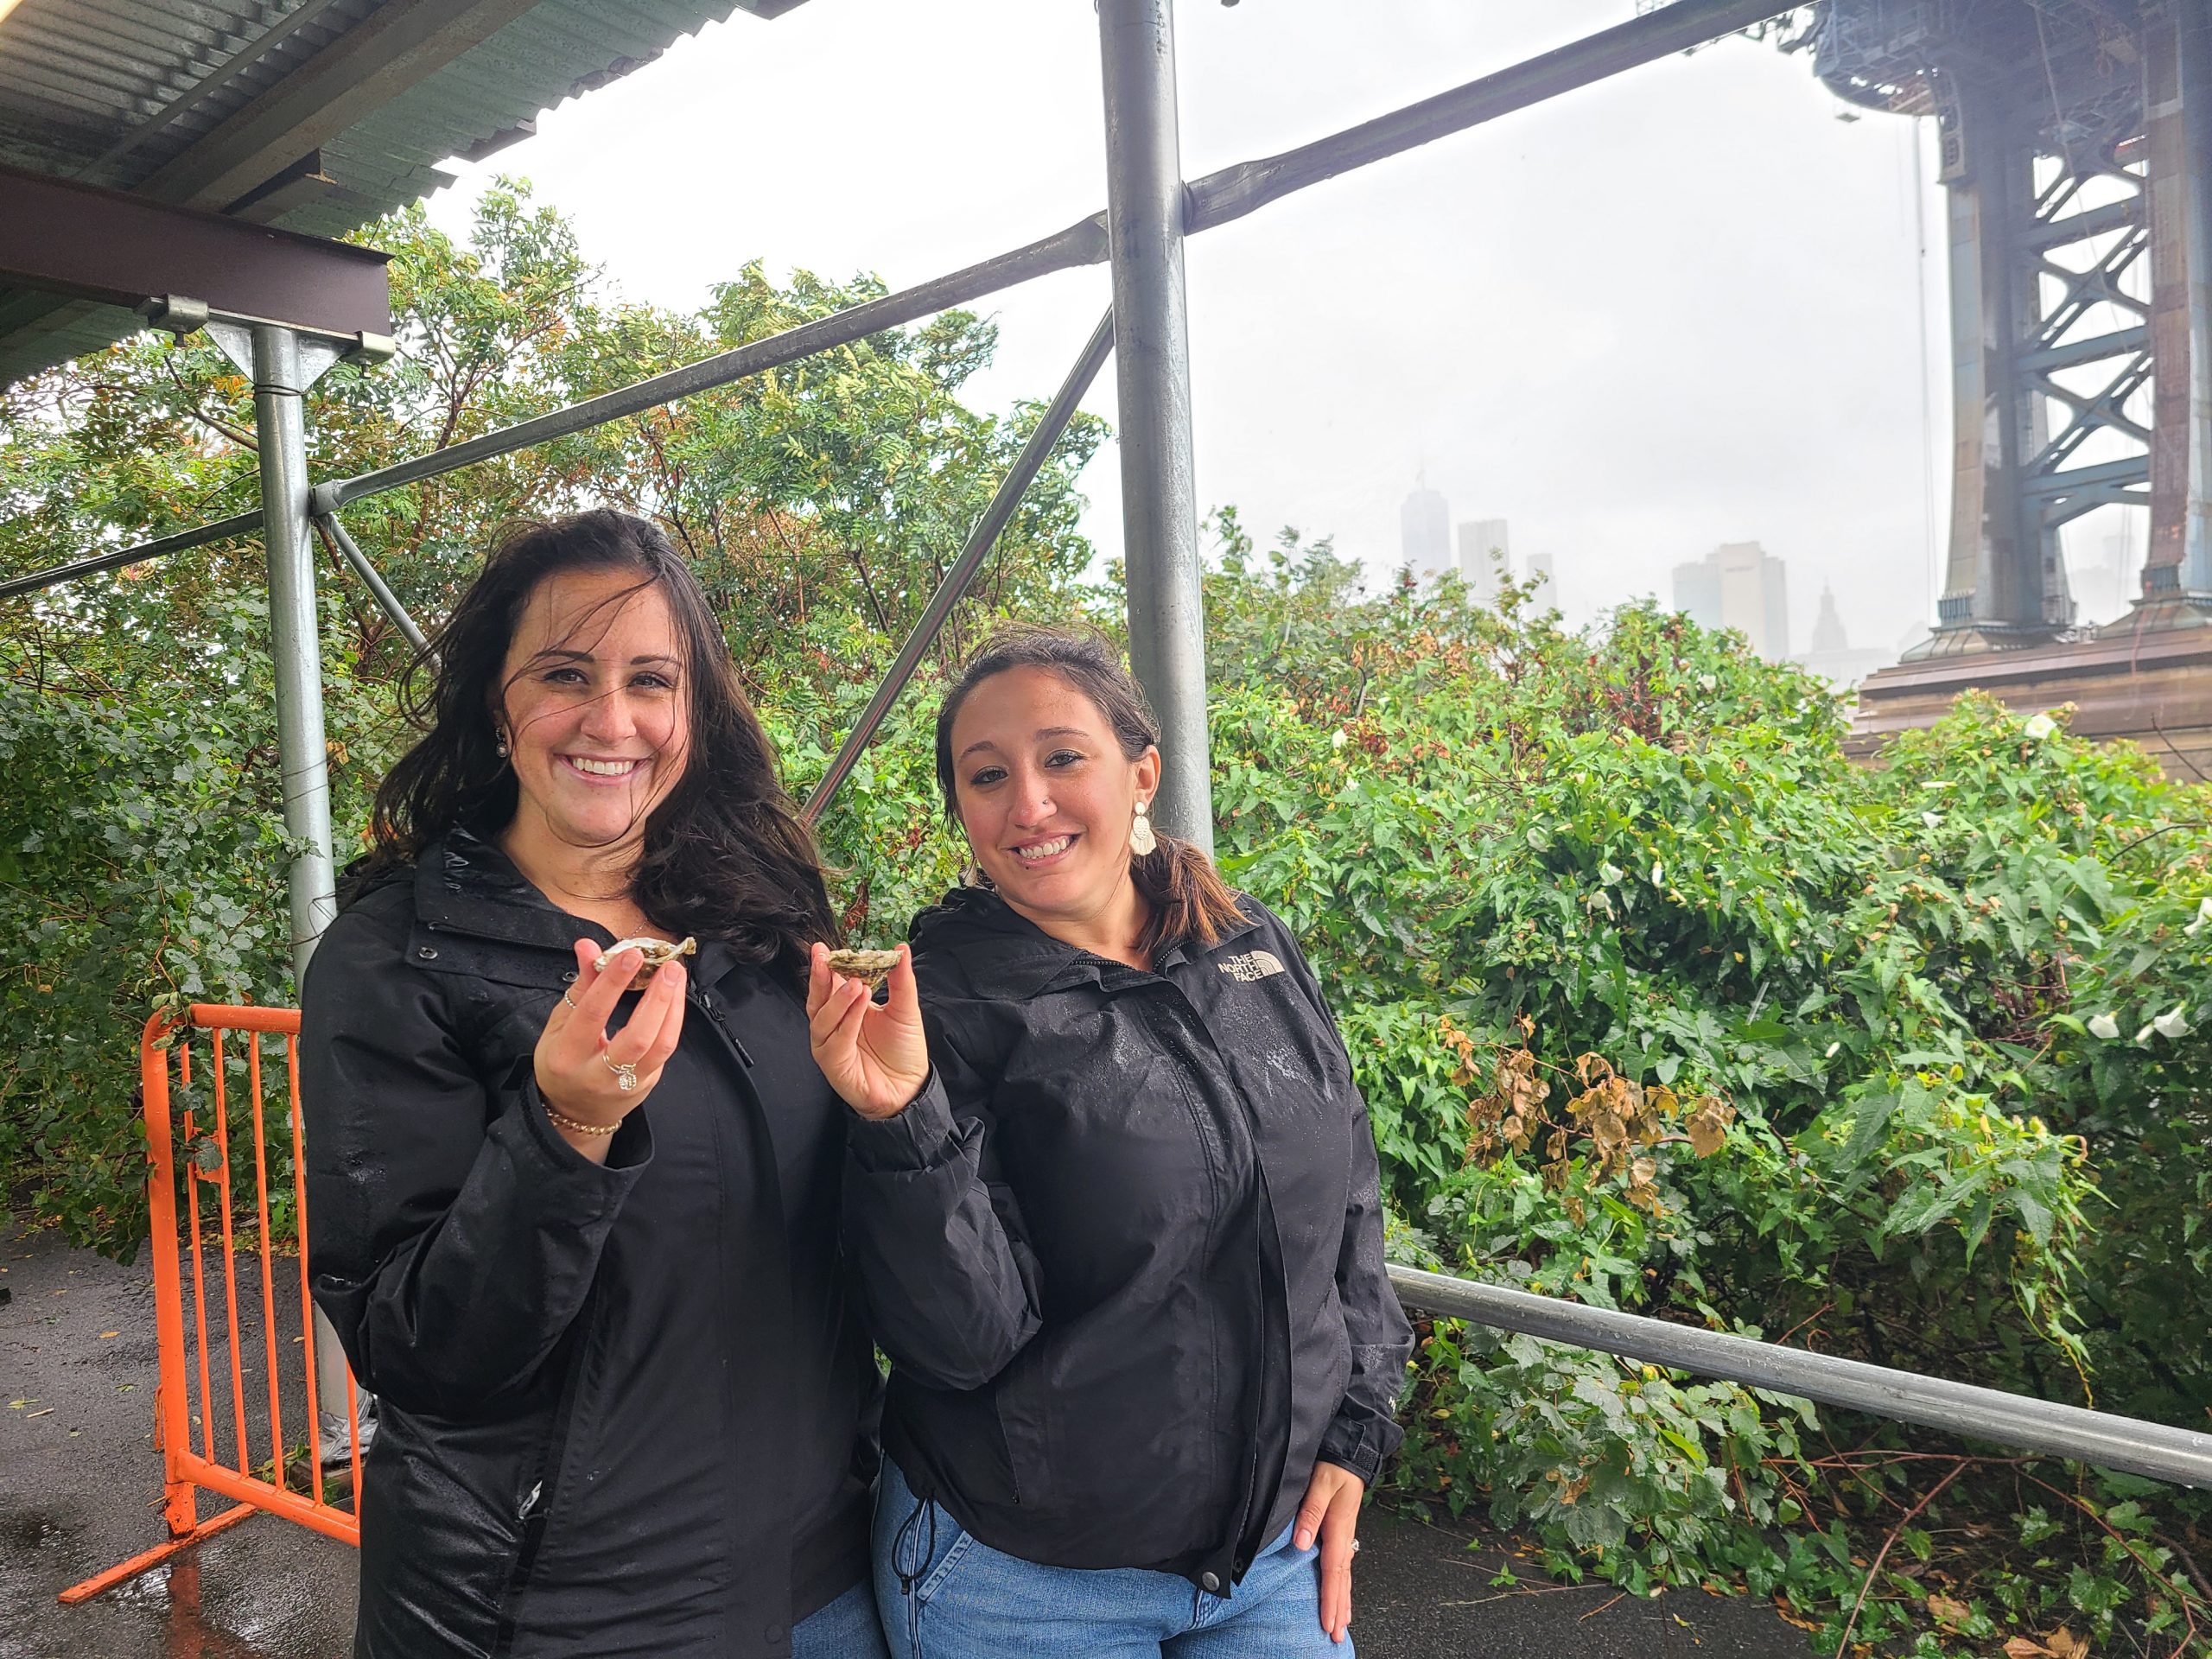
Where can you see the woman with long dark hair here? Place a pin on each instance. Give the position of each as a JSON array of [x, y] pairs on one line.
[[1113, 1202], [574, 1214]]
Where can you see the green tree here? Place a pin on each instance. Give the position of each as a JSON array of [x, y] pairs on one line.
[[140, 849]]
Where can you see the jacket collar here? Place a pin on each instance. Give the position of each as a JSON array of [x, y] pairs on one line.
[[464, 884], [1004, 955]]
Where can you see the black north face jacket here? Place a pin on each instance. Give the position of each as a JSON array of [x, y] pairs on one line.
[[622, 1410], [1126, 1251]]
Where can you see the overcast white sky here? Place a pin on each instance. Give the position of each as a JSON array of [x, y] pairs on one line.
[[1676, 309]]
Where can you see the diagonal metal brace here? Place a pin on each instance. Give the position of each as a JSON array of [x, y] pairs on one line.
[[980, 540], [328, 523]]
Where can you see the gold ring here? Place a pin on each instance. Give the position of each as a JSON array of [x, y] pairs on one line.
[[626, 1072], [570, 1000]]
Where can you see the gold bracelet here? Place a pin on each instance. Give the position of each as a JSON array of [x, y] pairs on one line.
[[562, 1121]]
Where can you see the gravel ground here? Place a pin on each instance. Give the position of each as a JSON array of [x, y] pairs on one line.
[[80, 1490]]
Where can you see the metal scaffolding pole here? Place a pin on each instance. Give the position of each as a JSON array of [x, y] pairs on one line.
[[284, 364], [1159, 521]]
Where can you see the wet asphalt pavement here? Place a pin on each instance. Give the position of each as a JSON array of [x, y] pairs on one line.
[[80, 1489]]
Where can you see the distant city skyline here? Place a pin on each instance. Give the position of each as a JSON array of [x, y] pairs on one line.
[[1716, 210]]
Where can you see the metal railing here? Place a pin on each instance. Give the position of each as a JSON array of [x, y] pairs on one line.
[[2021, 1421]]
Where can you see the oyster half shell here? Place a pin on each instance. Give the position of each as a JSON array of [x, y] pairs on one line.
[[656, 953], [874, 966]]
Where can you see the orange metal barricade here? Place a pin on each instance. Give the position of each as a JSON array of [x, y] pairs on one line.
[[223, 1463]]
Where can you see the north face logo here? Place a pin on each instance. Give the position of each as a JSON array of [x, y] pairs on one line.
[[1255, 964]]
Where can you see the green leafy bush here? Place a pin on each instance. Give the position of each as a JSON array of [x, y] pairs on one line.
[[1522, 858]]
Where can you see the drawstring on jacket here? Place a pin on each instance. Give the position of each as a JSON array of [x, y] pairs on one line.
[[908, 1580]]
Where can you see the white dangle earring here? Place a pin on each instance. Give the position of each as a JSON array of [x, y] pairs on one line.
[[1141, 840]]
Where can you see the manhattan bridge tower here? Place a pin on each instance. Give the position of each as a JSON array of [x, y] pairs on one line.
[[2075, 145]]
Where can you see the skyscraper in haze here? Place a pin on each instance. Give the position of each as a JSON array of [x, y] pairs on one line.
[[1738, 585], [1479, 540], [1827, 628], [1425, 531], [1832, 656], [1545, 574]]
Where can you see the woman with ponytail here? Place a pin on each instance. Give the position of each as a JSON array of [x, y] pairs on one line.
[[1112, 1198]]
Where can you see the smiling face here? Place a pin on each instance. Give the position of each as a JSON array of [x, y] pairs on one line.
[[1048, 799], [595, 709]]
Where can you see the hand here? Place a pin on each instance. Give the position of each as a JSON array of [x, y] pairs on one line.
[[575, 1059], [1330, 1511], [873, 1054]]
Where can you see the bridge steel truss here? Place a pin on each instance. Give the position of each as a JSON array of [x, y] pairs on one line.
[[2075, 143], [1150, 210]]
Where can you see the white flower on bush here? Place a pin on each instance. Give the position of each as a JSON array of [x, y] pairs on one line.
[[2104, 1026], [1610, 873], [1931, 819], [2172, 1025], [1338, 739], [2143, 1035], [1832, 1049], [1658, 873], [2203, 915], [2041, 726], [1708, 682]]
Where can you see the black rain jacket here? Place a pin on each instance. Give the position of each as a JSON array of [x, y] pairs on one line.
[[622, 1410], [1125, 1251]]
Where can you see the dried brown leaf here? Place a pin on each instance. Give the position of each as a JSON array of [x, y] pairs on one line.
[[1949, 1613], [1709, 1127]]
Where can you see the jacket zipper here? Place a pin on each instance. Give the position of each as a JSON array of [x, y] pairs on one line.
[[706, 1002], [1242, 1546], [538, 1504]]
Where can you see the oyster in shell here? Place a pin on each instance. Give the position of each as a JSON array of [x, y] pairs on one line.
[[874, 966], [656, 953]]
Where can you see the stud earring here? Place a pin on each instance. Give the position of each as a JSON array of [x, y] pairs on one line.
[[1142, 839]]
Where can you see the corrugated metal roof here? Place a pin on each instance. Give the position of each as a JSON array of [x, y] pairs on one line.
[[113, 91]]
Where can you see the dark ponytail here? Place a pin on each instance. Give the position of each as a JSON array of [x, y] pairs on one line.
[[1185, 894]]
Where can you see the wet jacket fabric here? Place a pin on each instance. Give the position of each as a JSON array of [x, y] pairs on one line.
[[1125, 1251], [622, 1410]]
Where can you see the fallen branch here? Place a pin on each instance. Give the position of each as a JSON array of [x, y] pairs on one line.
[[1958, 1468]]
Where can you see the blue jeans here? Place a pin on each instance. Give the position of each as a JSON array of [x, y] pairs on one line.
[[846, 1629], [970, 1601]]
